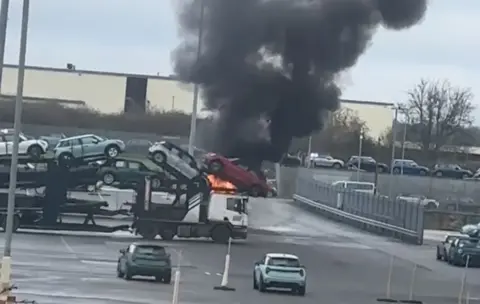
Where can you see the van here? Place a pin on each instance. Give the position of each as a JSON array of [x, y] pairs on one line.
[[355, 186]]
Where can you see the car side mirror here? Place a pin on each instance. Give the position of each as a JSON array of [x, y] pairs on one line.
[[122, 251], [303, 266], [258, 263]]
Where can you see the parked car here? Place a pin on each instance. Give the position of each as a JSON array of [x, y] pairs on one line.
[[167, 153], [241, 177], [408, 167], [53, 139], [124, 170], [280, 270], [414, 198], [366, 163], [325, 161], [87, 146], [35, 148], [145, 259], [452, 171], [444, 247]]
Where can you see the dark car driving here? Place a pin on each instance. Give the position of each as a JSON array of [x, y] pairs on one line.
[[145, 259], [452, 171], [464, 249], [366, 163], [408, 167]]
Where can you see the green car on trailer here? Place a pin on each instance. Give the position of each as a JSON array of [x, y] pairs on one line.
[[125, 170]]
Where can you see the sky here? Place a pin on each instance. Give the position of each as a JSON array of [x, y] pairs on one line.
[[138, 36]]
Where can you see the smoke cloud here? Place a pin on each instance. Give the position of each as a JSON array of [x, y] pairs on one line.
[[269, 67]]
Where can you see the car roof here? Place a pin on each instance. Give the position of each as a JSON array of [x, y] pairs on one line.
[[146, 243], [78, 136], [282, 255]]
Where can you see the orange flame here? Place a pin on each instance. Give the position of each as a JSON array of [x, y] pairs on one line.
[[218, 183]]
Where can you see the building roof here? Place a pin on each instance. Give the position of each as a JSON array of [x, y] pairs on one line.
[[366, 102]]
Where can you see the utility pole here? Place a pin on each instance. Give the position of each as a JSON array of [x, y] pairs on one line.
[[196, 89], [394, 139], [6, 269], [3, 36]]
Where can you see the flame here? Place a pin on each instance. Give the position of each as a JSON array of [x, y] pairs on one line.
[[218, 183]]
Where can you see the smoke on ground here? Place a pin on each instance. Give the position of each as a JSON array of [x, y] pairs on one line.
[[269, 67]]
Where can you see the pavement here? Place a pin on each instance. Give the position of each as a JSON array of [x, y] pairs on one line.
[[344, 265]]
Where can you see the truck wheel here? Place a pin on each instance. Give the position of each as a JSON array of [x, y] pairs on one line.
[[156, 183], [16, 223], [35, 151], [167, 234], [221, 234], [167, 279], [148, 231], [65, 159], [108, 178]]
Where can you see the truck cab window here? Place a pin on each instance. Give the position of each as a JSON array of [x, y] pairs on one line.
[[236, 204]]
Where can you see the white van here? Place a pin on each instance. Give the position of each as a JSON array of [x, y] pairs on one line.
[[355, 186]]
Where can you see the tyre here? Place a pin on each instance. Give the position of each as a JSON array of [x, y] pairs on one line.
[[16, 223], [301, 290], [381, 170], [464, 176], [65, 159], [148, 231], [128, 274], [108, 178], [159, 157], [439, 256], [221, 234], [438, 174], [396, 171], [167, 234], [167, 279], [35, 151], [261, 285], [423, 172], [156, 183], [215, 166], [120, 274], [112, 151], [337, 166], [255, 285]]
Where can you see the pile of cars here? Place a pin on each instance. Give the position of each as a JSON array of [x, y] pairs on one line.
[[461, 249]]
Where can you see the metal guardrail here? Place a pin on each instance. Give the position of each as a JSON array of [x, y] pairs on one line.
[[402, 220]]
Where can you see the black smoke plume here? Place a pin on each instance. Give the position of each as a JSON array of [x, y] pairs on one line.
[[271, 65]]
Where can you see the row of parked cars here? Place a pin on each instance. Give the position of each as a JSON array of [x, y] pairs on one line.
[[115, 168], [398, 166]]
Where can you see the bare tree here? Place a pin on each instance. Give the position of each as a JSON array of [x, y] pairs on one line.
[[438, 111]]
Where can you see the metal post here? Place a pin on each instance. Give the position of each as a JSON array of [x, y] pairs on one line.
[[309, 157], [464, 281], [5, 272], [3, 36], [359, 155], [196, 89], [403, 145], [394, 139]]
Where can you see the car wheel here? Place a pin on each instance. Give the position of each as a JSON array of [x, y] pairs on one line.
[[396, 171], [65, 159], [215, 166], [167, 235], [255, 285], [464, 176], [439, 256], [156, 183], [108, 178], [261, 285], [381, 170], [148, 232], [128, 274], [112, 151], [221, 234], [159, 157], [337, 166], [423, 172], [35, 151], [302, 290], [120, 274], [439, 174], [16, 223], [167, 279]]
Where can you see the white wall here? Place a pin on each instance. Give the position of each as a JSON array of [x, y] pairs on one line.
[[378, 117], [106, 93]]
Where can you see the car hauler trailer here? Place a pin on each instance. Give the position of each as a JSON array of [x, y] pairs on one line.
[[219, 214]]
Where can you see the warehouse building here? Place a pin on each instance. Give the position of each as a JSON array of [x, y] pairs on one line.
[[115, 93]]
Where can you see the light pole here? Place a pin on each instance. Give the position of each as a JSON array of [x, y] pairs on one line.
[[404, 139], [3, 35], [394, 139], [196, 89], [5, 271], [309, 152], [359, 154]]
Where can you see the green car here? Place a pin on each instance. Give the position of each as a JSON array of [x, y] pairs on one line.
[[124, 170], [280, 270], [145, 259]]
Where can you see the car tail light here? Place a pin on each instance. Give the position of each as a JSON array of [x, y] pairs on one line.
[[267, 270], [302, 272]]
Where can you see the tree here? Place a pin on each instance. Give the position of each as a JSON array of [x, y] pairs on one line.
[[438, 111]]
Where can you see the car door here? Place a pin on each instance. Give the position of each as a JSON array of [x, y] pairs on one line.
[[91, 147], [75, 147]]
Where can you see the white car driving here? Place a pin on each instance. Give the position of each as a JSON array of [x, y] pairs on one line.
[[33, 147], [326, 161], [428, 203]]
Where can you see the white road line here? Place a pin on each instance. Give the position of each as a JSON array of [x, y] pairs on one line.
[[69, 248], [219, 274], [91, 262], [207, 273]]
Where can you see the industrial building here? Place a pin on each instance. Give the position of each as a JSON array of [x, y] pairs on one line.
[[115, 93]]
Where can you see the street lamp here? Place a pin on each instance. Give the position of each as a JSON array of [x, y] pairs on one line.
[[3, 35], [404, 139], [394, 139], [196, 89], [360, 144], [5, 271]]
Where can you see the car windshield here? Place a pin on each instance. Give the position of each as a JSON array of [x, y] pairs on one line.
[[284, 262], [99, 138], [155, 251], [469, 243]]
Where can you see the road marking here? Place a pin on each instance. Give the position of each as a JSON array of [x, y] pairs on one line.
[[69, 248], [91, 262], [219, 274], [207, 273]]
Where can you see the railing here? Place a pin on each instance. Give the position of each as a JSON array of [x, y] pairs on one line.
[[399, 219]]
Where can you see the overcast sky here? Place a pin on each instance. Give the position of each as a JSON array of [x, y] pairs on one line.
[[137, 36]]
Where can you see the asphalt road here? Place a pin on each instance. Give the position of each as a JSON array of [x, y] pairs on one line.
[[343, 265]]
